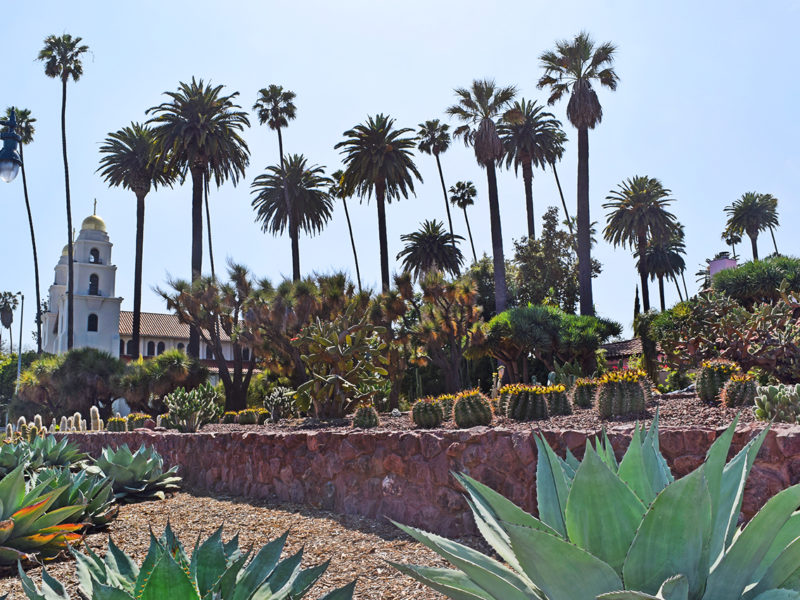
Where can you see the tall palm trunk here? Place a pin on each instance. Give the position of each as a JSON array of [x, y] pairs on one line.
[[294, 234], [352, 243], [35, 256], [754, 245], [641, 246], [584, 224], [208, 224], [678, 287], [527, 178], [561, 194], [500, 291], [137, 273], [685, 289], [446, 202], [775, 245], [469, 231], [198, 171], [661, 292], [280, 145], [380, 193], [70, 268]]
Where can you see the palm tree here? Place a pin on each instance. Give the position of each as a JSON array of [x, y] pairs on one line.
[[129, 160], [198, 131], [571, 68], [293, 196], [431, 249], [752, 214], [8, 304], [529, 134], [275, 107], [434, 138], [664, 258], [477, 108], [25, 129], [639, 214], [336, 190], [731, 238], [379, 160], [62, 59], [462, 195]]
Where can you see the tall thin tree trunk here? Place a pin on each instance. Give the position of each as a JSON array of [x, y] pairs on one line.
[[469, 232], [775, 245], [661, 292], [294, 234], [137, 274], [500, 291], [193, 349], [446, 202], [527, 179], [584, 224], [641, 245], [685, 289], [35, 256], [280, 145], [563, 202], [754, 246], [208, 225], [70, 268], [352, 243], [11, 340], [678, 287], [380, 192]]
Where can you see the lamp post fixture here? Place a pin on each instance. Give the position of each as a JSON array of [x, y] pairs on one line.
[[19, 348], [10, 162]]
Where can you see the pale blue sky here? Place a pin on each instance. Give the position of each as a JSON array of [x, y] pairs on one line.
[[707, 102]]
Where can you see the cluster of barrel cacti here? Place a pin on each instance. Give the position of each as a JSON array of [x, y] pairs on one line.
[[583, 392], [229, 417], [446, 401], [117, 423], [427, 413], [523, 402], [472, 409], [740, 390], [712, 378], [621, 392], [557, 400], [778, 403], [366, 417], [248, 416], [136, 420]]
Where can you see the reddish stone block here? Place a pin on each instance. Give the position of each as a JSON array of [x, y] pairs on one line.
[[395, 464]]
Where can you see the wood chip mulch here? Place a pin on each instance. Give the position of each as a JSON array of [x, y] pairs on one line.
[[357, 547]]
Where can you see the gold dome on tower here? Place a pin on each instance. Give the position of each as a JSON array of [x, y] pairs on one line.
[[93, 223]]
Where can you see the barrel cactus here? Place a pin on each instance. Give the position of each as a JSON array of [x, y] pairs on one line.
[[136, 420], [446, 401], [583, 392], [229, 417], [778, 403], [713, 376], [366, 417], [472, 409], [117, 424], [621, 393], [557, 400], [740, 390], [427, 413], [526, 402], [248, 417]]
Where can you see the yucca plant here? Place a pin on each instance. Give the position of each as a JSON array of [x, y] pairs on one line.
[[626, 531], [94, 492], [28, 526], [215, 571], [136, 476]]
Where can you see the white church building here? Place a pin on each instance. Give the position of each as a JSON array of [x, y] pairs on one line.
[[98, 321]]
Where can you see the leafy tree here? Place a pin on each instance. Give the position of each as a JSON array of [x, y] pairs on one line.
[[478, 108], [547, 267], [752, 214], [129, 160], [199, 131], [531, 137], [336, 190], [571, 69], [8, 373], [275, 108], [61, 55], [213, 309], [638, 214], [462, 195], [293, 196], [25, 129], [434, 138], [379, 161], [430, 249], [482, 273]]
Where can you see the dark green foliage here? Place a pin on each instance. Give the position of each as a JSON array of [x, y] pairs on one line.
[[427, 413], [8, 376], [740, 390], [366, 417], [583, 393], [712, 377], [429, 249], [758, 281], [677, 379], [472, 409]]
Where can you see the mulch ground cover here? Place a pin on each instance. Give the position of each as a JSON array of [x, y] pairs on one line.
[[357, 547], [684, 410]]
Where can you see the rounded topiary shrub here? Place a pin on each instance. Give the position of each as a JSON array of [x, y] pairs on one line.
[[712, 378], [427, 413], [740, 390], [472, 409], [583, 392], [366, 417]]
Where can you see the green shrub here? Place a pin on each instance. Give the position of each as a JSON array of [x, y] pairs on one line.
[[366, 417], [740, 390], [280, 404], [758, 281], [621, 393], [472, 409], [712, 377], [677, 379], [583, 393], [778, 403], [427, 413]]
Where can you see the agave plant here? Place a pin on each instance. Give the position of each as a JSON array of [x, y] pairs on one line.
[[28, 526], [626, 531], [215, 571], [136, 476], [13, 455], [94, 492], [49, 452]]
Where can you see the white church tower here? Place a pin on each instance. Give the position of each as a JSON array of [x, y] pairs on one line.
[[96, 309]]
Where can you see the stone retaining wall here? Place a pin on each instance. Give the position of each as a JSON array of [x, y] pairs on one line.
[[405, 476]]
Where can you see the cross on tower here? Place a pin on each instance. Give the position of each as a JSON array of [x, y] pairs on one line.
[[95, 207]]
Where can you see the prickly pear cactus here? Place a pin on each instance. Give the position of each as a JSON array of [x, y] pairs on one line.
[[557, 400], [446, 401], [713, 376], [472, 409], [740, 390], [778, 403], [526, 402], [366, 417], [427, 413], [248, 417], [583, 392], [621, 393]]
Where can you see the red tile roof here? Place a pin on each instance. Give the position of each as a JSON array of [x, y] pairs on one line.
[[158, 325], [624, 348]]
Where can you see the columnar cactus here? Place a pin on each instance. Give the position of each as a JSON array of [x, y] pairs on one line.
[[37, 420], [472, 409], [366, 417], [52, 428], [621, 393], [427, 413], [64, 425], [71, 424], [526, 402], [9, 431], [21, 422], [583, 392], [248, 417], [446, 401], [557, 400], [713, 376], [739, 391], [94, 417]]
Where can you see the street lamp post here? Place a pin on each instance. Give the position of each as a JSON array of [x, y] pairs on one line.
[[10, 161], [19, 347]]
